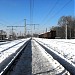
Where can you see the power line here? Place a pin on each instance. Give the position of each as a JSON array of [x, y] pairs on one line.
[[59, 10], [31, 13], [1, 24], [18, 22], [50, 10]]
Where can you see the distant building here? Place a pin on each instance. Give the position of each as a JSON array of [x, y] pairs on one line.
[[12, 36], [48, 35], [3, 35], [35, 35]]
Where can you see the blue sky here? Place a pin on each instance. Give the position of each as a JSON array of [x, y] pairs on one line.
[[13, 12]]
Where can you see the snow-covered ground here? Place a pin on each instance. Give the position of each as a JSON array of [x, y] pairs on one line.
[[49, 67], [40, 59], [8, 50], [1, 43], [65, 47], [35, 61]]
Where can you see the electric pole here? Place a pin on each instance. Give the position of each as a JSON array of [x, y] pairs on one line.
[[66, 31], [13, 28], [25, 26], [19, 26]]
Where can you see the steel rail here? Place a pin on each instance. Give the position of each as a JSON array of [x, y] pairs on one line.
[[7, 68], [4, 43], [69, 66], [11, 46]]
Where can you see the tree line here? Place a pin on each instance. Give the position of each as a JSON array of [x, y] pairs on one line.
[[66, 25]]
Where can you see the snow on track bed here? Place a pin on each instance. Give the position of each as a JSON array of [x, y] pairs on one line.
[[49, 65], [9, 53], [11, 44], [56, 54], [24, 65], [34, 61], [40, 65], [64, 47], [2, 43]]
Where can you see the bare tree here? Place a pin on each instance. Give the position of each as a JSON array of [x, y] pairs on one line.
[[70, 22]]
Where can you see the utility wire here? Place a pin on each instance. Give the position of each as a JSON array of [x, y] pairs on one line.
[[4, 23], [19, 22], [31, 14], [31, 11], [59, 11], [50, 10], [1, 24]]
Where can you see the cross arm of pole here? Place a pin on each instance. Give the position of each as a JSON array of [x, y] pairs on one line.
[[15, 26], [32, 24]]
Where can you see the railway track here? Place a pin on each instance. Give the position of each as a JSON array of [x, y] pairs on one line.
[[66, 42], [11, 63], [2, 43], [9, 52], [35, 59], [63, 61], [10, 46], [64, 48]]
